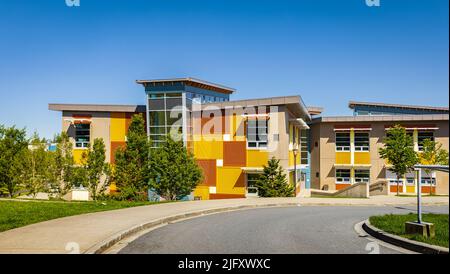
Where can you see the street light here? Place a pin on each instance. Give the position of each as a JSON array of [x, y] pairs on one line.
[[295, 151]]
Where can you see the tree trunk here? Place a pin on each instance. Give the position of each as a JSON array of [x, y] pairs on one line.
[[398, 185], [431, 181]]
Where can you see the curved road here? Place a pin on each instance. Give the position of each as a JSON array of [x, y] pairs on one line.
[[307, 229]]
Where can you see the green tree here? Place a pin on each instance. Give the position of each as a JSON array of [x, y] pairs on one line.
[[12, 144], [131, 169], [433, 154], [174, 172], [62, 170], [272, 182], [32, 166], [399, 152], [96, 170]]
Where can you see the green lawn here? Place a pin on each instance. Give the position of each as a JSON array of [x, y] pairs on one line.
[[395, 224], [20, 213]]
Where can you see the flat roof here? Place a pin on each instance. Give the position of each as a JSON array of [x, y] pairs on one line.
[[353, 104], [383, 118], [314, 110], [97, 108], [294, 103], [191, 82]]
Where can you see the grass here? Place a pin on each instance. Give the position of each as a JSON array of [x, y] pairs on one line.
[[395, 224], [15, 214]]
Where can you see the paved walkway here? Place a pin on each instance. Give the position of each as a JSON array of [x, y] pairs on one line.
[[85, 233]]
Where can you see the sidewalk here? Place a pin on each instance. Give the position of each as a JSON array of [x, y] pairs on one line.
[[95, 230]]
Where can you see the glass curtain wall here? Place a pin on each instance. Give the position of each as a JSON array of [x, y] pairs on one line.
[[165, 116]]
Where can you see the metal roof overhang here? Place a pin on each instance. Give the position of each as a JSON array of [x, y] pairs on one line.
[[252, 170]]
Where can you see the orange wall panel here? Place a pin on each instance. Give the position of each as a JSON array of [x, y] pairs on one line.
[[209, 172], [234, 153]]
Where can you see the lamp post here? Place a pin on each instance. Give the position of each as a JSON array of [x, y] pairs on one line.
[[295, 151]]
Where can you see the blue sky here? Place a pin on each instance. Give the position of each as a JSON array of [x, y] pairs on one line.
[[327, 51]]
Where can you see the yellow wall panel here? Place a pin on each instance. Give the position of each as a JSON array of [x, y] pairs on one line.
[[343, 158], [202, 191], [257, 158], [410, 189], [291, 158], [77, 155], [238, 132], [230, 180], [208, 150], [118, 127], [362, 157]]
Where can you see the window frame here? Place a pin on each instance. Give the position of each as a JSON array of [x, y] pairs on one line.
[[258, 143], [83, 144], [342, 179], [362, 179], [362, 148], [341, 148], [420, 142]]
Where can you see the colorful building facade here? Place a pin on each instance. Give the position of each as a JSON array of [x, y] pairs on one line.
[[232, 140]]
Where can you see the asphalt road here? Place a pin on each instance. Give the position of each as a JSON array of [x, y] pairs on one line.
[[307, 229]]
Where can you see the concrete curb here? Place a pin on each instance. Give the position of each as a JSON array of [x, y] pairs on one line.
[[104, 245], [402, 242]]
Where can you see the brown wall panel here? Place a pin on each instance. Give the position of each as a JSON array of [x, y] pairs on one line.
[[225, 196], [209, 172], [234, 153], [114, 147]]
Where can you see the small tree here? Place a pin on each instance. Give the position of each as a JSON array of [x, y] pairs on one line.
[[131, 168], [399, 152], [174, 172], [433, 154], [96, 169], [32, 166], [12, 144], [62, 170], [272, 182]]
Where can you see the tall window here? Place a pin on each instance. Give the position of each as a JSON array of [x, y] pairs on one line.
[[342, 141], [257, 131], [304, 146], [422, 136], [362, 175], [82, 135], [361, 141], [165, 114], [343, 176]]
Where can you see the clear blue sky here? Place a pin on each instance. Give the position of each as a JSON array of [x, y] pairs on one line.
[[328, 51]]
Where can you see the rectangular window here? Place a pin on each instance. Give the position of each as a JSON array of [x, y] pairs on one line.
[[362, 175], [257, 131], [428, 180], [362, 113], [251, 182], [342, 141], [422, 136], [82, 135], [361, 141], [304, 146], [342, 176]]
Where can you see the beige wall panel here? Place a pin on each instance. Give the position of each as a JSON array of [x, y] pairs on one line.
[[100, 128]]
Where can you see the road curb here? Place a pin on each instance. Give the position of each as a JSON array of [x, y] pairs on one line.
[[402, 242], [105, 244]]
